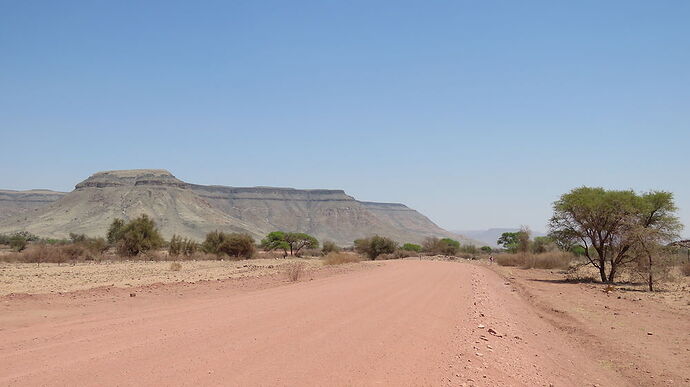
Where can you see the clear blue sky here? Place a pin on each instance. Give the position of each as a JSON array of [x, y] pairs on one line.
[[476, 113]]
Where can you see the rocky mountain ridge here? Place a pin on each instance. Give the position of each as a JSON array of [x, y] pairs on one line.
[[193, 210]]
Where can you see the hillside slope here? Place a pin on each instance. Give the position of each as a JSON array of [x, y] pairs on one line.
[[194, 210], [15, 203]]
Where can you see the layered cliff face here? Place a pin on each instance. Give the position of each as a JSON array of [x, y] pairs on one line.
[[194, 210]]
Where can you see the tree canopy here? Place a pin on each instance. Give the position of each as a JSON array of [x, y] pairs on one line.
[[609, 225], [293, 242]]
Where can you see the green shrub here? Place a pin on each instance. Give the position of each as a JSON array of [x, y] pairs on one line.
[[374, 246], [468, 249], [182, 246], [411, 247], [138, 236], [115, 231], [486, 249], [18, 242], [233, 244], [445, 246]]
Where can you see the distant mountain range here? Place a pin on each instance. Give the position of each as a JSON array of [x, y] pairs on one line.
[[193, 210], [490, 236]]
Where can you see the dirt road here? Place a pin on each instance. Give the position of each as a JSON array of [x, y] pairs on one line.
[[403, 323]]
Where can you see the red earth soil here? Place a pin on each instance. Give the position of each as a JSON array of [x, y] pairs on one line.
[[402, 323]]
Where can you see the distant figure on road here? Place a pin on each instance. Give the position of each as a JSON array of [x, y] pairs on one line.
[[491, 258]]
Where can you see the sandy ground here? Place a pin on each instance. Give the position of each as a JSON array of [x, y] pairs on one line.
[[642, 336], [30, 278], [394, 323]]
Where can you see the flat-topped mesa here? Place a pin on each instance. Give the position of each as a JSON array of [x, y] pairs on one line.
[[132, 177], [270, 193], [386, 206]]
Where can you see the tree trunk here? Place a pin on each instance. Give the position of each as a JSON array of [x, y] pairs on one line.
[[651, 279], [612, 273], [602, 270]]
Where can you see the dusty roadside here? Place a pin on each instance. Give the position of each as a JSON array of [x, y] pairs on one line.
[[404, 322], [19, 278], [644, 337]]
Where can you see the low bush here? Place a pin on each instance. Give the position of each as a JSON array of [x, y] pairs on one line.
[[329, 247], [138, 236], [340, 258], [548, 260], [398, 254], [294, 271], [182, 246], [685, 269], [375, 246], [411, 247], [469, 249], [18, 243], [436, 246], [42, 253], [234, 245]]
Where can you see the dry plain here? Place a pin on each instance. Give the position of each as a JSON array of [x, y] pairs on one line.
[[404, 322]]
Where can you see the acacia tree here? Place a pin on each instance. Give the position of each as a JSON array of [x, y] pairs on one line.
[[656, 227], [300, 240], [607, 225], [275, 241], [515, 241], [289, 241]]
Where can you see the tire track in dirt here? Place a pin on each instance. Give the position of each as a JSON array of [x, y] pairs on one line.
[[404, 323]]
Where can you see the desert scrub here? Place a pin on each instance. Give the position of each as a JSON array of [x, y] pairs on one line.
[[340, 258], [294, 271], [549, 260], [329, 247], [175, 266]]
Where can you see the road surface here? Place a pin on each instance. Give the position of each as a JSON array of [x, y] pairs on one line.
[[404, 323]]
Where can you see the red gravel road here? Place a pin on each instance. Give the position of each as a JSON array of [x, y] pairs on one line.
[[404, 323]]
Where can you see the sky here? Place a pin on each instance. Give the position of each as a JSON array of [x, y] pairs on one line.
[[477, 114]]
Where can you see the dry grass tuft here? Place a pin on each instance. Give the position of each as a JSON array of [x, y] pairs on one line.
[[510, 259], [548, 260], [340, 258], [294, 271], [175, 266]]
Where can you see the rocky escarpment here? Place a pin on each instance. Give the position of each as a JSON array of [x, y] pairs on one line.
[[194, 210], [138, 177]]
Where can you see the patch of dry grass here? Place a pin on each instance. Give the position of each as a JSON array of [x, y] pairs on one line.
[[294, 271], [340, 258], [548, 260], [175, 266]]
